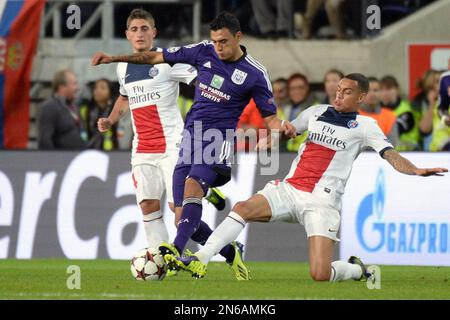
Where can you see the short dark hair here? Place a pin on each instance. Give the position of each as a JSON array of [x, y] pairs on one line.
[[361, 80], [60, 79], [226, 20], [140, 13], [373, 79], [280, 80], [296, 76], [106, 81], [389, 82]]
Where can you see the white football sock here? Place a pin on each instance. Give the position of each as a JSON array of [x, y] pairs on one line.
[[155, 229], [224, 234], [342, 270]]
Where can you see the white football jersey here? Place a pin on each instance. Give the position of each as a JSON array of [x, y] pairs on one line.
[[334, 141], [152, 92]]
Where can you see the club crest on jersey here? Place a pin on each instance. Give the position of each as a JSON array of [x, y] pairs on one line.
[[352, 124], [153, 72], [238, 76]]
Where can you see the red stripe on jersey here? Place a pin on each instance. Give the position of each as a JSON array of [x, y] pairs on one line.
[[149, 130], [314, 161]]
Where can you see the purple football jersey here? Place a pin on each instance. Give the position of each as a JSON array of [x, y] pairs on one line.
[[223, 88]]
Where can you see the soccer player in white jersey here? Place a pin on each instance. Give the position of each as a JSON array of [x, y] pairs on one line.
[[311, 192], [151, 93]]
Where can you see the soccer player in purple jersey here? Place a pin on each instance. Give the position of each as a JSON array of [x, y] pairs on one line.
[[227, 79]]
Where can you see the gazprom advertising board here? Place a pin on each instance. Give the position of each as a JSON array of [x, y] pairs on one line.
[[391, 218], [81, 205]]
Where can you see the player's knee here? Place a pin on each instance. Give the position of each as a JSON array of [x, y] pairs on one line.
[[243, 209], [149, 206], [320, 274], [194, 188]]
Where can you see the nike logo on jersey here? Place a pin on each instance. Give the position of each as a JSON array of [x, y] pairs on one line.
[[207, 64], [331, 230]]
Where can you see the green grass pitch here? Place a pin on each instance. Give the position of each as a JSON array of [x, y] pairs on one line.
[[109, 279]]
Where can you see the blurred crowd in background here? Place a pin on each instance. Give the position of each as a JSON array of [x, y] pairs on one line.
[[267, 19], [410, 125]]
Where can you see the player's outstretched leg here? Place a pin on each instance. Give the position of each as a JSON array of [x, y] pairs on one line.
[[233, 252], [366, 275], [351, 269], [323, 269], [255, 209]]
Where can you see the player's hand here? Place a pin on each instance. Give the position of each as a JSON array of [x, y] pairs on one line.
[[100, 58], [263, 144], [431, 172], [103, 124], [288, 129]]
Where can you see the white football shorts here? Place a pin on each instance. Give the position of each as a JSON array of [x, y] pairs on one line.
[[317, 211], [151, 179]]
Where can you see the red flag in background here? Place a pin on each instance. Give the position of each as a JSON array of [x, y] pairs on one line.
[[19, 33]]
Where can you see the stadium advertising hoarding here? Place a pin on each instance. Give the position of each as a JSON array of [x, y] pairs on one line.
[[390, 218], [82, 206]]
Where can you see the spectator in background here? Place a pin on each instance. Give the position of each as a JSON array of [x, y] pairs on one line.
[[407, 118], [425, 102], [330, 82], [299, 94], [300, 98], [280, 94], [273, 17], [385, 117], [431, 121], [334, 13], [100, 106], [58, 118]]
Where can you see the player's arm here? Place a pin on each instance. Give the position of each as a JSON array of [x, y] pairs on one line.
[[275, 126], [120, 108], [403, 165], [147, 57], [283, 126]]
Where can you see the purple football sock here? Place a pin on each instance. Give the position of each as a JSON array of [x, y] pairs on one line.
[[202, 234], [189, 222]]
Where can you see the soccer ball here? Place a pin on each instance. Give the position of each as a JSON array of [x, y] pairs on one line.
[[148, 264]]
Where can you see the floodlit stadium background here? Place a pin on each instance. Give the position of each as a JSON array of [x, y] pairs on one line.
[[81, 204]]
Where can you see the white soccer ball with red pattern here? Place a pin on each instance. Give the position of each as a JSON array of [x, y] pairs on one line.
[[147, 265]]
